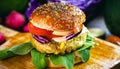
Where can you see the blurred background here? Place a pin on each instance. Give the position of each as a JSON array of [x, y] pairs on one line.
[[102, 16]]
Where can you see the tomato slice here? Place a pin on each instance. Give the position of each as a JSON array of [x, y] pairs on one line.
[[41, 32], [78, 29]]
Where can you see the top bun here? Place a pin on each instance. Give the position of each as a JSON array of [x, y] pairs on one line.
[[57, 16]]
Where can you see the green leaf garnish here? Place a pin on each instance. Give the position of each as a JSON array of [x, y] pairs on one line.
[[89, 38], [85, 54], [4, 54], [38, 59], [86, 45], [20, 49], [84, 51], [66, 60]]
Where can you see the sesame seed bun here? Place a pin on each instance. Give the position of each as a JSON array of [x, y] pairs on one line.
[[57, 16], [61, 18]]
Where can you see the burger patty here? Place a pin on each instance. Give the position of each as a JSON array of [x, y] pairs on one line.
[[63, 47]]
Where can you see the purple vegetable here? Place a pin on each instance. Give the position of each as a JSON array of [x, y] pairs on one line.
[[2, 38], [32, 5], [40, 39], [70, 36]]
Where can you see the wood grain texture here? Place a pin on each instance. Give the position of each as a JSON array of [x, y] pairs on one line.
[[104, 56]]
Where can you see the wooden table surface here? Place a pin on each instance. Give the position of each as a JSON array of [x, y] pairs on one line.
[[104, 56]]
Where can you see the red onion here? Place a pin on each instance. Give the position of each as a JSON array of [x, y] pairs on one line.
[[40, 39], [72, 36]]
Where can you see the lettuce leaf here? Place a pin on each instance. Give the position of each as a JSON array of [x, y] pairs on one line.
[[85, 54], [89, 38], [38, 59], [66, 60], [4, 54], [84, 51], [20, 49]]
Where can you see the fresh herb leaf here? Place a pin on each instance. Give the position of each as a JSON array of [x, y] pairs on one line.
[[84, 51], [89, 43], [20, 49], [5, 54], [85, 54], [66, 60], [38, 59], [89, 38], [86, 45]]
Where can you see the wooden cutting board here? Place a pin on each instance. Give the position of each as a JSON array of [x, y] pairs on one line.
[[104, 56]]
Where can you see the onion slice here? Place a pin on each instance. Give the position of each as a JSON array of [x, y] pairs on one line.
[[72, 35], [40, 39]]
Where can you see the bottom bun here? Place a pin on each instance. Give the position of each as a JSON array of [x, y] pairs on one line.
[[76, 60]]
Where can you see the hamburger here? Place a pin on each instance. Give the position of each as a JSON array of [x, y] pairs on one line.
[[59, 36]]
